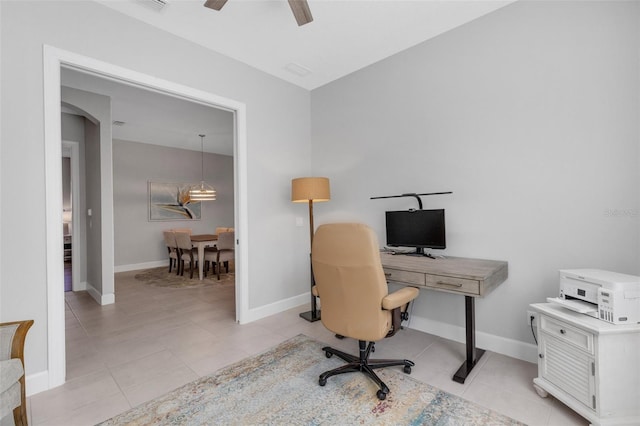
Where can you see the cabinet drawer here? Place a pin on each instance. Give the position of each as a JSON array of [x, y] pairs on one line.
[[458, 285], [563, 331], [408, 277]]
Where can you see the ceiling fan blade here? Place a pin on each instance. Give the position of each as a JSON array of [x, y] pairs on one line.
[[301, 11], [214, 4]]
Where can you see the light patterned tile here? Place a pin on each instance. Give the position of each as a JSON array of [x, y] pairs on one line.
[[510, 374], [90, 414], [527, 410], [155, 339], [159, 385], [561, 415], [72, 395], [145, 369]]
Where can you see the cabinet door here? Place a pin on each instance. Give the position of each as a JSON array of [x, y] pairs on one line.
[[568, 368]]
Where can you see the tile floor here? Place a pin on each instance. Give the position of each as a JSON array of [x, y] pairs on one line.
[[154, 339]]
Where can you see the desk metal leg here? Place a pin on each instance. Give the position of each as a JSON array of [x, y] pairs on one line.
[[473, 354]]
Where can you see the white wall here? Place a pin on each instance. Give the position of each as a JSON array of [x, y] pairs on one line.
[[98, 196], [138, 240], [72, 128], [278, 128], [530, 116]]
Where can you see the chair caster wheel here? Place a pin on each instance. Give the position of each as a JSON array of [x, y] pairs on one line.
[[322, 382], [407, 369], [381, 395], [328, 354]]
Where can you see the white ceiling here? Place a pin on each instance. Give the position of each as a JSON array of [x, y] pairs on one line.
[[345, 35], [158, 119]]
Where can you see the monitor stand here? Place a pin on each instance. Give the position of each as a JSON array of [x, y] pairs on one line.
[[420, 252]]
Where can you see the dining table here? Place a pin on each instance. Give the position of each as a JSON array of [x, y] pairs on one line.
[[201, 241]]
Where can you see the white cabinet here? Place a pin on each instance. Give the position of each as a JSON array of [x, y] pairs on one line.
[[590, 365]]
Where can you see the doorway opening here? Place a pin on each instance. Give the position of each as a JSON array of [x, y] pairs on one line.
[[54, 60]]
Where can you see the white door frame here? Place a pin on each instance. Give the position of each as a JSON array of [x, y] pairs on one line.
[[77, 257], [53, 60]]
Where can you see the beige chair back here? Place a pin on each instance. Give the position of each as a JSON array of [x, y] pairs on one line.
[[170, 239], [350, 281], [221, 229], [185, 230], [226, 241], [183, 241]]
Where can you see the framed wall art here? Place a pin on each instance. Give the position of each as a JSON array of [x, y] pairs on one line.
[[170, 201]]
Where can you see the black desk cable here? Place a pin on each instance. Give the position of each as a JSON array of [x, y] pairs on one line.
[[531, 318]]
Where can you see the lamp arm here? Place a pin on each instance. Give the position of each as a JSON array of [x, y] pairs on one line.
[[412, 194]]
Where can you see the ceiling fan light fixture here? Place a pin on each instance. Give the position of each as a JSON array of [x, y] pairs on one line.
[[301, 11], [215, 4]]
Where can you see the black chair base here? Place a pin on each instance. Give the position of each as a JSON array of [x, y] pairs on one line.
[[363, 364]]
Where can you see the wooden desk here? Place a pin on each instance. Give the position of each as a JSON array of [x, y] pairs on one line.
[[201, 241], [469, 277]]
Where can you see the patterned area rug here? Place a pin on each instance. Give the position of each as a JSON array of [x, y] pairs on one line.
[[160, 277], [281, 387]]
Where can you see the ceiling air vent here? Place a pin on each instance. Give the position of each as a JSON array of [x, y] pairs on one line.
[[297, 69], [156, 5]]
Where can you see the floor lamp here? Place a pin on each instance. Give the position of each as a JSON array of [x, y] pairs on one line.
[[308, 190]]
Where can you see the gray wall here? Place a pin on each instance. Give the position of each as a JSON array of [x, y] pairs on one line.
[[278, 144], [530, 116], [137, 240], [98, 194], [72, 127], [66, 183]]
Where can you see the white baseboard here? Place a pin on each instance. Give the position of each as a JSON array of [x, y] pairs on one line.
[[36, 383], [102, 299], [138, 266], [491, 342], [276, 307]]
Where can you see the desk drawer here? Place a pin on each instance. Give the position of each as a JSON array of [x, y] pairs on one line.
[[457, 285], [561, 330], [408, 277]]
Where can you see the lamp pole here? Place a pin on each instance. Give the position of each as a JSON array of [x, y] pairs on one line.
[[310, 189], [314, 314]]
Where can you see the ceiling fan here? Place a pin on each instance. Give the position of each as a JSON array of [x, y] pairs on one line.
[[300, 9]]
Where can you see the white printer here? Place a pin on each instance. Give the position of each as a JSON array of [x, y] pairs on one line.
[[609, 296]]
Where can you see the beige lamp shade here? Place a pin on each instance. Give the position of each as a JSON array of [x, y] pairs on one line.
[[307, 189]]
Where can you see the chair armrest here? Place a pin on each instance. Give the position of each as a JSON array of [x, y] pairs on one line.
[[13, 337], [399, 298]]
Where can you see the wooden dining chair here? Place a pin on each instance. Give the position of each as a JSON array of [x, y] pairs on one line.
[[226, 250], [172, 248], [186, 252]]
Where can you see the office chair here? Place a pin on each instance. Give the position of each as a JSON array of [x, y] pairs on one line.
[[355, 299]]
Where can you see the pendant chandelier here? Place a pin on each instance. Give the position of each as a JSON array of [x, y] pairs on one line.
[[202, 192]]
